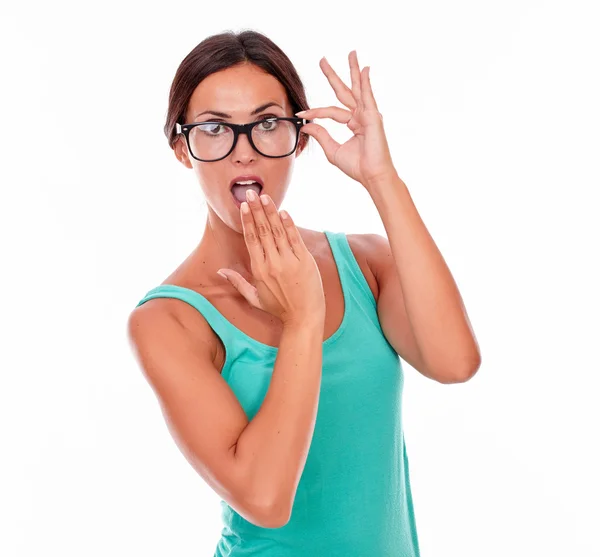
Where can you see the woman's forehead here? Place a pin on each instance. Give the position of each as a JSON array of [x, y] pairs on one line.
[[237, 91]]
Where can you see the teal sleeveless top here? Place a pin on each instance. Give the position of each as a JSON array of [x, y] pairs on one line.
[[354, 497]]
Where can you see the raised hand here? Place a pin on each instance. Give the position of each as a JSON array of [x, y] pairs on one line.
[[365, 157]]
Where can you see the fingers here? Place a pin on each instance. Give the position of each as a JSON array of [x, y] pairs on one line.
[[342, 91], [263, 230], [330, 146], [334, 112], [355, 76], [251, 237], [277, 226], [293, 235], [367, 90], [361, 93], [265, 234]]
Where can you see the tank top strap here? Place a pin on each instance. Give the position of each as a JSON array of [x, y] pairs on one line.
[[214, 318], [350, 272], [237, 343]]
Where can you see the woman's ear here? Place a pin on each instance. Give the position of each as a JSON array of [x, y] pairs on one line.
[[181, 151], [302, 142]]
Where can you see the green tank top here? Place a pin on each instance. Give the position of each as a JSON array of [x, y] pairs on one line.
[[354, 497]]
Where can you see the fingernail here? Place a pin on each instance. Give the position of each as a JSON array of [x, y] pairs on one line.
[[264, 199], [301, 112], [222, 274], [251, 195]]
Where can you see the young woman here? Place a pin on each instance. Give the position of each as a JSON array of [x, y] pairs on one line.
[[282, 385]]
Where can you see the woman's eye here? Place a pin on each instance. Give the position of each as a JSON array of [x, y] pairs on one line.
[[211, 127], [267, 124]]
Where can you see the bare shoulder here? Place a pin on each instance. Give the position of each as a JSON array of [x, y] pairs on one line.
[[375, 249], [158, 314]]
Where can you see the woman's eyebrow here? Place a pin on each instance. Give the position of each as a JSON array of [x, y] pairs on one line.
[[255, 111]]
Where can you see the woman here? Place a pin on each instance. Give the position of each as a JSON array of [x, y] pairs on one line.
[[283, 385]]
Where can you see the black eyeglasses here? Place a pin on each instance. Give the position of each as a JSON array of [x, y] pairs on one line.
[[213, 141]]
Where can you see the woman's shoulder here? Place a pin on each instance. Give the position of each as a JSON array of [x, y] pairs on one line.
[[361, 245], [317, 240], [165, 309]]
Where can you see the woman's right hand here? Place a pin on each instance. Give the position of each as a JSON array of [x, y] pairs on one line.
[[288, 281]]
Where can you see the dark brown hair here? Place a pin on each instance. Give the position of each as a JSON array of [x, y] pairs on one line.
[[225, 50]]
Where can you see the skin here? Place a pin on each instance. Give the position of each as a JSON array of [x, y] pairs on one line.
[[236, 91]]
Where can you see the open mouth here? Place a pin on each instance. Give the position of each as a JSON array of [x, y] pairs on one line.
[[238, 190]]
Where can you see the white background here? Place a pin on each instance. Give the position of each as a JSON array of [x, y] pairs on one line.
[[491, 111]]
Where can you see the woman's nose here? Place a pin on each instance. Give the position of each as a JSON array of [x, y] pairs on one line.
[[243, 149]]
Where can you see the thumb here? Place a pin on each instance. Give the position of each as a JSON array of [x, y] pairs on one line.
[[242, 286], [327, 143]]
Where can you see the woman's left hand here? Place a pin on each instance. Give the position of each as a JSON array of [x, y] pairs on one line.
[[365, 156]]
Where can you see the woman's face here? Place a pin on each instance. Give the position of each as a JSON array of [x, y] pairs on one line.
[[237, 92]]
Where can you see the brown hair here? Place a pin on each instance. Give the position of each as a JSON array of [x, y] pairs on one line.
[[222, 51]]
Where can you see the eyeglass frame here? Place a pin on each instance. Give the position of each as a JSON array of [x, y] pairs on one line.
[[238, 129]]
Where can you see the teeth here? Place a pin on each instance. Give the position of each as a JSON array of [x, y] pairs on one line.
[[247, 182]]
